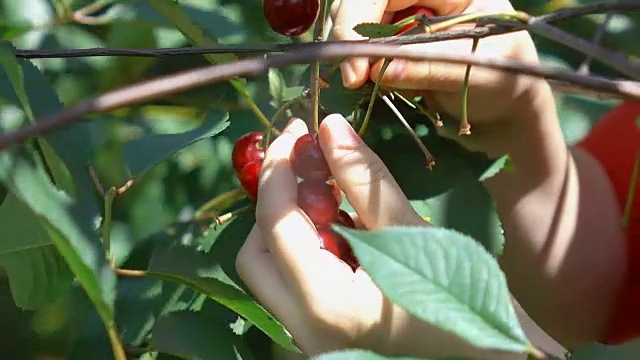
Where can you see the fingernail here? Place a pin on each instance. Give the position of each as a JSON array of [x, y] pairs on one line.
[[296, 127], [341, 134]]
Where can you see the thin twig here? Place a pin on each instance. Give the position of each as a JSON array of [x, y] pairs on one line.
[[430, 159], [314, 83], [590, 9], [171, 84], [584, 68]]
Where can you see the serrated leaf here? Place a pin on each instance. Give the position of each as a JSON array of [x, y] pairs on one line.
[[445, 278], [497, 165], [627, 351], [357, 354], [76, 240], [196, 335], [144, 153], [36, 271], [13, 70], [373, 30], [202, 273], [72, 144]]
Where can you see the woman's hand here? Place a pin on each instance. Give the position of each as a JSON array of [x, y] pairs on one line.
[[497, 101], [319, 298]]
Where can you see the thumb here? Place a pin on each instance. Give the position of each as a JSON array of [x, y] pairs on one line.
[[365, 180]]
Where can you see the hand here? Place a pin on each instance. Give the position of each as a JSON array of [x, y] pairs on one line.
[[321, 301], [496, 99]]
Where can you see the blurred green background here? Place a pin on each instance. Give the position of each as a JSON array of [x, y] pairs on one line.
[[174, 188]]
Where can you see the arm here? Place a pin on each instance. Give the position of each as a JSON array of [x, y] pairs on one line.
[[565, 266]]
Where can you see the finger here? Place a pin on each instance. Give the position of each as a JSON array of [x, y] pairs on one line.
[[349, 14], [256, 268], [443, 8], [286, 230], [363, 177], [447, 77]]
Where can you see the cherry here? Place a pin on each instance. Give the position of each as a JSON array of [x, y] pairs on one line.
[[307, 160], [290, 17], [410, 11], [247, 149], [347, 256], [329, 241], [336, 244], [316, 199], [249, 177]]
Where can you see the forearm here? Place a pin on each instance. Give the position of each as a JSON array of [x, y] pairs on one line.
[[562, 225]]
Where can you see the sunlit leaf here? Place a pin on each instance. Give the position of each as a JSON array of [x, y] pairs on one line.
[[144, 153], [445, 278], [196, 335]]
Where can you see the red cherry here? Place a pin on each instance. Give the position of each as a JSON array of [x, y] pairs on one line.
[[338, 246], [249, 177], [247, 149], [347, 256], [329, 241], [410, 11], [316, 199], [290, 17], [307, 160]]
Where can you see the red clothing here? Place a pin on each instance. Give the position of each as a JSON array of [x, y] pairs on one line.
[[615, 143]]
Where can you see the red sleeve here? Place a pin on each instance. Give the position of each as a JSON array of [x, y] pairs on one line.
[[614, 141]]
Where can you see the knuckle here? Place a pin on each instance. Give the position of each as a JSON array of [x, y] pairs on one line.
[[361, 166]]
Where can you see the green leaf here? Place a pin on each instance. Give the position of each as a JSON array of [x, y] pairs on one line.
[[144, 153], [197, 335], [276, 86], [627, 351], [444, 278], [72, 144], [37, 273], [13, 70], [181, 20], [373, 30], [357, 355], [201, 272], [493, 170], [76, 240], [450, 194]]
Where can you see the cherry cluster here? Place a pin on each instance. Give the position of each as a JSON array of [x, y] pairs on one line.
[[318, 196]]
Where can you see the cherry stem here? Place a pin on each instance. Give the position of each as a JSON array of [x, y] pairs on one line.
[[281, 110], [219, 202], [518, 15], [431, 160], [374, 95], [465, 127], [433, 116], [318, 34], [632, 192]]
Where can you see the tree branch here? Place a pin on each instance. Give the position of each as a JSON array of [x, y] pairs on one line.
[[171, 84]]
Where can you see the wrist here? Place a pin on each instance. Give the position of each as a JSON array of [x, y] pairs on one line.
[[535, 144]]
